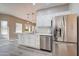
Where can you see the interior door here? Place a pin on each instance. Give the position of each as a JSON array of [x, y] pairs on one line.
[[65, 49]]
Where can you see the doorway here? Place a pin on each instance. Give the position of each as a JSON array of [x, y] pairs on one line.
[[4, 30]]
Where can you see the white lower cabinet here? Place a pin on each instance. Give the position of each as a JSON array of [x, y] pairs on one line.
[[20, 40], [29, 40]]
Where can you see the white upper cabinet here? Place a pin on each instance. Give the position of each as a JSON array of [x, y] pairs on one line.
[[44, 20]]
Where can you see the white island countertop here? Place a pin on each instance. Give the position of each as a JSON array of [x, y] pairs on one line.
[[36, 33], [46, 34]]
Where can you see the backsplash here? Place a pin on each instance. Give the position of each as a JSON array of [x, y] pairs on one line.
[[44, 30]]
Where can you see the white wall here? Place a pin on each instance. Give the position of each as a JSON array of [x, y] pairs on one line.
[[74, 7], [53, 10]]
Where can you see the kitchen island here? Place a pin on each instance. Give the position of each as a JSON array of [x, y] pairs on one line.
[[29, 40]]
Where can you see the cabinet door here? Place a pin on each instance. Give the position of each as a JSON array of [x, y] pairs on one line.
[[37, 41], [32, 41], [23, 40], [26, 42], [19, 38], [65, 49]]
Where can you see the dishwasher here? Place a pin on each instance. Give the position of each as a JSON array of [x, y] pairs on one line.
[[45, 43]]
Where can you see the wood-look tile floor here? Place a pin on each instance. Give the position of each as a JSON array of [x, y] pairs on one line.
[[13, 49]]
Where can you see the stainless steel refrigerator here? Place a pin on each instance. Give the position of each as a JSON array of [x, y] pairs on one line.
[[64, 34]]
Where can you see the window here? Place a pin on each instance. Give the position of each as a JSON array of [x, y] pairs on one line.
[[4, 27], [18, 28], [27, 27], [32, 28]]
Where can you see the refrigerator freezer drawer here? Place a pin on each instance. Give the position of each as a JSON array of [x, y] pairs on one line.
[[64, 49]]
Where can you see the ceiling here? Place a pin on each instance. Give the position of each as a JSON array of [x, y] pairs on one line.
[[22, 9]]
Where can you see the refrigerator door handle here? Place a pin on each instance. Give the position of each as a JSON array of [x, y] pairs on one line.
[[55, 33], [60, 32]]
